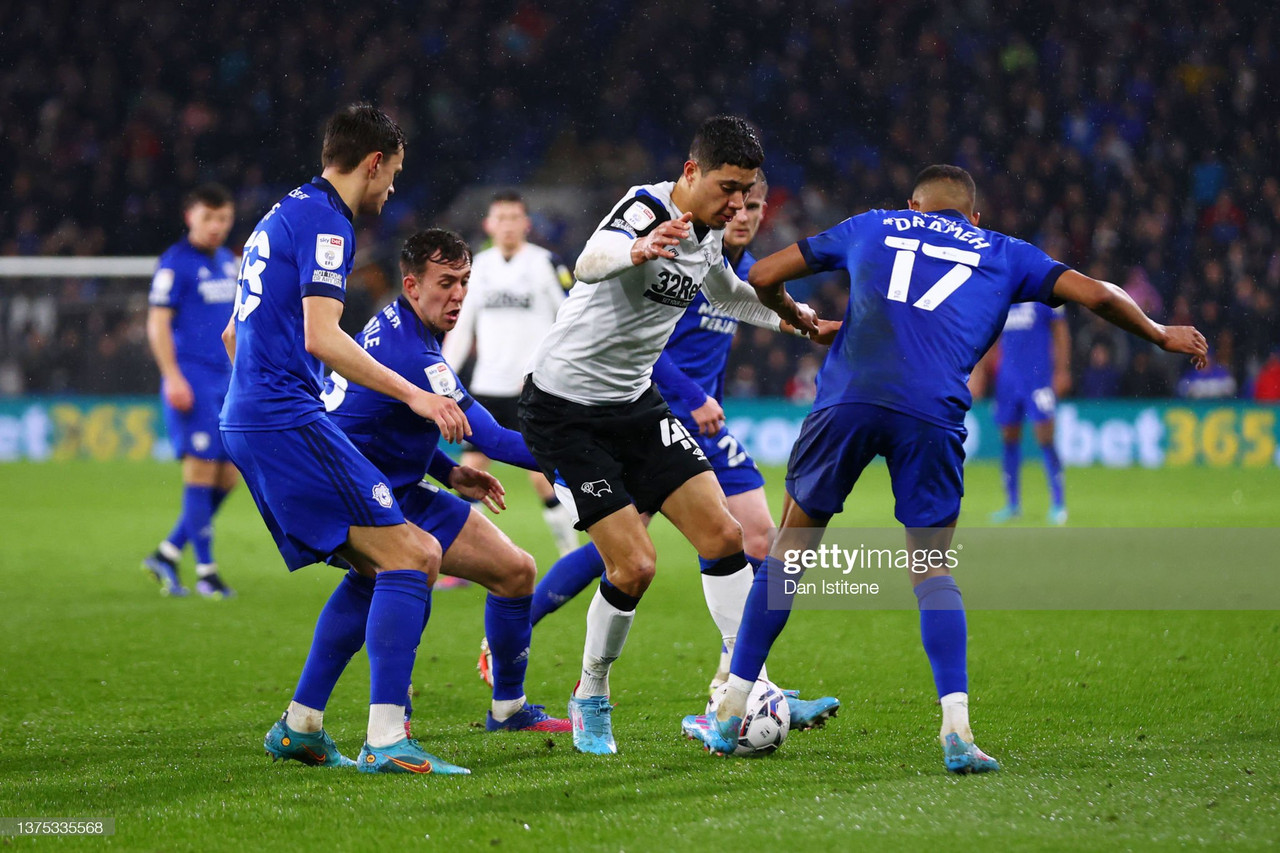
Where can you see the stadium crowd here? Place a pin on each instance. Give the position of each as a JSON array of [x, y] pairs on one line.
[[1137, 142]]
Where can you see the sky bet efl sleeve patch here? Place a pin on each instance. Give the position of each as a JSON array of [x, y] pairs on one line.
[[637, 216], [442, 381], [329, 251]]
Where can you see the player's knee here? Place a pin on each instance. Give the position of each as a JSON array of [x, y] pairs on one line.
[[724, 538], [756, 543], [518, 578], [425, 554], [633, 574]]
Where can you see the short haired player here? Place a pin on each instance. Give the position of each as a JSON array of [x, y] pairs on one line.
[[929, 291]]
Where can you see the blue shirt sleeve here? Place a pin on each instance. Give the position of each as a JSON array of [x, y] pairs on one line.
[[441, 466], [1033, 273], [675, 386], [829, 250], [324, 248], [496, 441]]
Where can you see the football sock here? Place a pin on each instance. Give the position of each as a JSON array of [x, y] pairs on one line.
[[502, 709], [340, 632], [506, 624], [302, 719], [955, 716], [386, 722], [761, 625], [197, 514], [1011, 465], [608, 621], [1053, 472], [204, 570], [391, 636], [567, 577], [726, 583], [171, 548], [943, 632]]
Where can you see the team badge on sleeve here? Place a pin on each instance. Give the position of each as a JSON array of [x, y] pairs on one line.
[[161, 285], [329, 250], [382, 495], [442, 381]]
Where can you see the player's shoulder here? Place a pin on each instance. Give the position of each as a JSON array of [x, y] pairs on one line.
[[642, 209], [312, 206], [178, 254]]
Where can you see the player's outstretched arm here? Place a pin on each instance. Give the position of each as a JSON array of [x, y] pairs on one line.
[[1118, 308], [326, 341], [769, 276]]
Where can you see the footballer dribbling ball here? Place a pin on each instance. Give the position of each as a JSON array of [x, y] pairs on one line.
[[767, 722]]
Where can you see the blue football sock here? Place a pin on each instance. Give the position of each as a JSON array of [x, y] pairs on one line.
[[507, 627], [178, 536], [339, 635], [943, 632], [755, 562], [567, 577], [1053, 471], [426, 617], [761, 625], [197, 514], [1011, 465], [393, 632]]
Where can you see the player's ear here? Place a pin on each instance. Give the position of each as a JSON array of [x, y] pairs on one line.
[[973, 220], [373, 161], [691, 171], [410, 285], [912, 204]]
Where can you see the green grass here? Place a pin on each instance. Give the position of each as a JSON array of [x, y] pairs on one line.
[[1115, 728]]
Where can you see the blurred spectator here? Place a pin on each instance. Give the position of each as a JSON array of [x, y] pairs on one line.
[[1100, 377], [1143, 378], [1266, 388], [1215, 382]]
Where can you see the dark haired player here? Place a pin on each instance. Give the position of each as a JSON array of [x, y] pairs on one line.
[[191, 295], [600, 430], [435, 265], [929, 292], [319, 497], [690, 376]]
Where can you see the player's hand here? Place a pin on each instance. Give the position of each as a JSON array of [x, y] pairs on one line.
[[826, 333], [709, 416], [1187, 340], [658, 242], [178, 394], [446, 415], [800, 316], [478, 486]]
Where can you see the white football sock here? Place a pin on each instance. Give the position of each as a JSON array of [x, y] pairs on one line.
[[302, 719], [955, 716], [560, 519], [726, 597], [607, 628], [386, 725], [169, 551], [502, 709], [203, 570], [734, 703]]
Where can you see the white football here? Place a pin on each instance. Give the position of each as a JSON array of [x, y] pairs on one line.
[[767, 722]]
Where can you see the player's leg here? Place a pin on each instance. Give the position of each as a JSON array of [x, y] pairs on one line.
[[1044, 432], [751, 509], [834, 446], [1009, 414], [559, 518], [479, 552], [926, 469], [185, 433]]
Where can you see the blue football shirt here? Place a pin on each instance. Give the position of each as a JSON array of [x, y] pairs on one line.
[[1026, 348], [399, 442], [928, 293], [700, 346], [304, 246], [199, 287]]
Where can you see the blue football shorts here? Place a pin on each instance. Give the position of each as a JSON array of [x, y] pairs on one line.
[[440, 513], [1016, 404], [732, 464], [926, 462], [195, 433], [311, 485]]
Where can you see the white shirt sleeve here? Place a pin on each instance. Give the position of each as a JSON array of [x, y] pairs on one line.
[[738, 299], [606, 255]]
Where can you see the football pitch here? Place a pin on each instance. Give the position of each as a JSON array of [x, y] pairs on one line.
[[1115, 728]]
